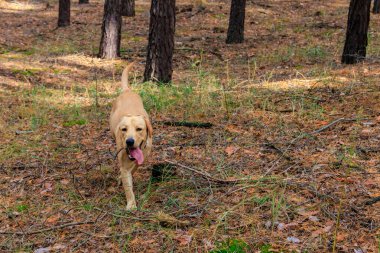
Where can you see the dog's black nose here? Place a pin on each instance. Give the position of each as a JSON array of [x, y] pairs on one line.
[[130, 142]]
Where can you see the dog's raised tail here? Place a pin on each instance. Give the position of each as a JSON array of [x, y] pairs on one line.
[[124, 77]]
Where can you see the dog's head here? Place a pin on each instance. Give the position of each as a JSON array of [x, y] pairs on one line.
[[134, 132]]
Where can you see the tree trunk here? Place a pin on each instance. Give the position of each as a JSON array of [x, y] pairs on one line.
[[111, 30], [235, 32], [83, 1], [159, 60], [376, 6], [357, 31], [64, 13], [128, 8]]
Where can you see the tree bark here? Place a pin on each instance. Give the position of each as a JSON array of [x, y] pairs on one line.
[[235, 32], [128, 8], [357, 31], [111, 30], [83, 1], [376, 6], [64, 13], [159, 60]]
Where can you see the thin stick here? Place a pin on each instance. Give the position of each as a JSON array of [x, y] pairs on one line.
[[72, 224], [123, 216], [188, 124], [372, 201], [303, 135], [114, 156], [331, 124], [337, 226], [206, 175], [224, 92], [104, 236]]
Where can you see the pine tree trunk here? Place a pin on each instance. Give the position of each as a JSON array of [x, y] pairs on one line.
[[64, 13], [111, 30], [376, 6], [357, 31], [235, 32], [83, 1], [128, 8], [159, 60]]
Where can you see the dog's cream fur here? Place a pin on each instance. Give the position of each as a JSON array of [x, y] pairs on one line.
[[130, 120]]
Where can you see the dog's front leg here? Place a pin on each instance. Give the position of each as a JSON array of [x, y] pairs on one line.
[[126, 178]]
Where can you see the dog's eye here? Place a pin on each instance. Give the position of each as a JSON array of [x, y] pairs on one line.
[[124, 129], [139, 129]]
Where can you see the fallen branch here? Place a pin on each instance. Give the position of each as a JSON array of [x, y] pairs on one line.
[[104, 236], [206, 175], [278, 150], [331, 124], [372, 201], [72, 224], [188, 124], [124, 216]]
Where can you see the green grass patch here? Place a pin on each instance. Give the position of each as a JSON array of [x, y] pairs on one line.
[[88, 207], [22, 208], [232, 246], [316, 53], [26, 72], [266, 248], [75, 122]]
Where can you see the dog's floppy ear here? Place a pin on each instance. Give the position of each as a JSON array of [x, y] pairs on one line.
[[149, 127]]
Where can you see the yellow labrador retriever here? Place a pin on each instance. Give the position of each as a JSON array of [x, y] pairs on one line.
[[132, 130]]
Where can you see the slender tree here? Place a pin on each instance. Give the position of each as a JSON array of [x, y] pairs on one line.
[[357, 31], [83, 1], [64, 13], [235, 32], [376, 6], [128, 8], [111, 30], [159, 60]]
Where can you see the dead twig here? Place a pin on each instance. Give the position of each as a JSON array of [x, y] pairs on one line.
[[331, 124], [71, 224], [292, 142], [188, 124], [208, 176], [124, 216], [114, 156], [277, 150], [372, 201], [104, 236]]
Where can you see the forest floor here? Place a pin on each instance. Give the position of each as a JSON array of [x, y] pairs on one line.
[[283, 181]]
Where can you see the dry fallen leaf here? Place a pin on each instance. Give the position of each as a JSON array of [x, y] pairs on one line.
[[231, 150], [323, 230], [53, 219], [293, 239], [65, 181], [167, 220], [233, 129], [184, 239], [54, 248]]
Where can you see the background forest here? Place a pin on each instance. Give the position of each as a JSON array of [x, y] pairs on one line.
[[285, 158]]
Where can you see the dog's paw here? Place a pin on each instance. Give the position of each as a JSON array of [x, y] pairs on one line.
[[131, 205]]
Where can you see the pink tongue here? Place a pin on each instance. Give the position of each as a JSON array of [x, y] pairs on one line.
[[138, 155]]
